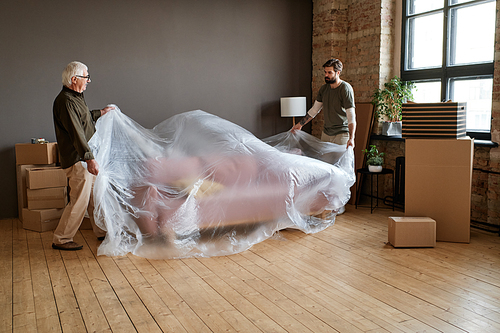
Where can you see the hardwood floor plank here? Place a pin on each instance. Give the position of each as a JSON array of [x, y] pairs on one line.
[[152, 301], [68, 309], [273, 304], [115, 314], [377, 271], [346, 278], [23, 303], [293, 286], [225, 285], [6, 274], [389, 295], [304, 319], [339, 296], [186, 316], [47, 318], [191, 293], [140, 317], [421, 261], [345, 314], [488, 271], [90, 309], [231, 316]]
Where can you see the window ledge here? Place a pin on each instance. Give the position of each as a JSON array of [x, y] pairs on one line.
[[477, 143], [387, 137], [485, 143]]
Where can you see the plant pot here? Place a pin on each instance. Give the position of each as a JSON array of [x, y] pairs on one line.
[[375, 168], [392, 128]]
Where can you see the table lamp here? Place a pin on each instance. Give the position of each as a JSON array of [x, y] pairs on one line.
[[293, 107]]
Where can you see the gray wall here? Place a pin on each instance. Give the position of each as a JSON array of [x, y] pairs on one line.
[[154, 59]]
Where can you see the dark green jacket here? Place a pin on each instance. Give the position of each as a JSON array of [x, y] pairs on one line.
[[74, 125]]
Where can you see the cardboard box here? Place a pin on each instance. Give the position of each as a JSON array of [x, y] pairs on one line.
[[45, 177], [46, 198], [434, 120], [412, 232], [41, 220], [35, 153], [438, 179], [22, 197]]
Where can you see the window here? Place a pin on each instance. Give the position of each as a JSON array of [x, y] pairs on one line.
[[448, 49]]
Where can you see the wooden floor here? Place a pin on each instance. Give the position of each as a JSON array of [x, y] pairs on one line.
[[344, 279]]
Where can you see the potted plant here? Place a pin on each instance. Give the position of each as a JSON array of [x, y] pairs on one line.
[[388, 104], [374, 159]]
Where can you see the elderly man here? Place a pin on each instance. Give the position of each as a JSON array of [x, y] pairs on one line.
[[74, 126]]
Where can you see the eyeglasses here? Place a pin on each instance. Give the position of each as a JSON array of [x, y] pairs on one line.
[[84, 77]]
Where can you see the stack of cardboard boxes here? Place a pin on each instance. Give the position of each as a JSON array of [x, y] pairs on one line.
[[41, 186], [438, 176]]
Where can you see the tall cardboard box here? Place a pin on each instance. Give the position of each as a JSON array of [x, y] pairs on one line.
[[41, 220], [47, 198], [412, 231], [22, 197], [438, 179], [45, 177], [36, 153]]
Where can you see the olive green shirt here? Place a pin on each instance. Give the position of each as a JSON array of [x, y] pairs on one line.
[[335, 102], [74, 126]]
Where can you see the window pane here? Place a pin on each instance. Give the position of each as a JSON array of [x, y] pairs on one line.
[[425, 41], [454, 2], [427, 92], [474, 34], [477, 93], [421, 6]]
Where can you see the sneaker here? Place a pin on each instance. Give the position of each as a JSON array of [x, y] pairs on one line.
[[70, 246], [341, 210]]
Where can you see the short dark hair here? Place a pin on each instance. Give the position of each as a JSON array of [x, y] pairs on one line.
[[335, 63]]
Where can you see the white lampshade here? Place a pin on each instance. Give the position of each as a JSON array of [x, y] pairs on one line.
[[293, 106]]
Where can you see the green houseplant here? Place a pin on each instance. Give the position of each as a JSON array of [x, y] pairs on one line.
[[388, 103], [374, 158]]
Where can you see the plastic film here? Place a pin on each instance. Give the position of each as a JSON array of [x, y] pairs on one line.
[[197, 185]]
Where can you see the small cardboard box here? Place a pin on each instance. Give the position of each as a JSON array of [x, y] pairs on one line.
[[412, 231], [47, 198], [45, 177], [41, 220], [35, 153], [22, 197]]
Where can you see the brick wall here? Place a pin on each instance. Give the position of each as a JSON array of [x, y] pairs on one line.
[[492, 164], [361, 34], [329, 41]]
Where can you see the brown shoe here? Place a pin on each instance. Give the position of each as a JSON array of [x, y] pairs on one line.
[[70, 246]]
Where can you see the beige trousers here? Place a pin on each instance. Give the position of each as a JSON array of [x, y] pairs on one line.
[[81, 185], [340, 139]]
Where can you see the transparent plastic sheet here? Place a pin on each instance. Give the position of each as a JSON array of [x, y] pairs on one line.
[[199, 185]]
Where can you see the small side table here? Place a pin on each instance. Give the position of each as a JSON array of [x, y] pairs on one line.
[[365, 171]]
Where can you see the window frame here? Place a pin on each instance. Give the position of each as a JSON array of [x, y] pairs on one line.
[[446, 71]]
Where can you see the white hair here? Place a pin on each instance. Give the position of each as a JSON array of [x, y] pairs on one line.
[[72, 69]]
